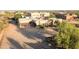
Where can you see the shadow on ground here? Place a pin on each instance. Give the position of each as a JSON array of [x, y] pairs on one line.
[[31, 34], [36, 35], [14, 44], [37, 45]]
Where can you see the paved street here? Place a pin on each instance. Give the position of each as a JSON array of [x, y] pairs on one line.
[[29, 38]]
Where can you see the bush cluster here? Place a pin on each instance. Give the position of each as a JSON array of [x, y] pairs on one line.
[[67, 36], [3, 24]]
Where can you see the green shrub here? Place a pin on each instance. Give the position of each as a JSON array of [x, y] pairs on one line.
[[17, 16], [67, 36], [3, 24]]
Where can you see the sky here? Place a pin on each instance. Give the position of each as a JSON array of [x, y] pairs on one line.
[[39, 5]]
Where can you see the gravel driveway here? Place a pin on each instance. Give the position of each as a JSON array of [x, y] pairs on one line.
[[27, 38]]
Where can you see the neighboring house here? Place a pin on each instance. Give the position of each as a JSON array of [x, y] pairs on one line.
[[35, 15], [24, 21], [38, 17], [46, 14], [71, 17], [40, 14]]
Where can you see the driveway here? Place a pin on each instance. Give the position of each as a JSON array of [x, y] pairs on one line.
[[27, 38]]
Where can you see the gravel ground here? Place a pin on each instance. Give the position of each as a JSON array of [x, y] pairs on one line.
[[27, 38]]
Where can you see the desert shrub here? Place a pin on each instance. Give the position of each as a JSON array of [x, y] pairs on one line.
[[67, 36], [3, 24], [74, 39], [17, 16]]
